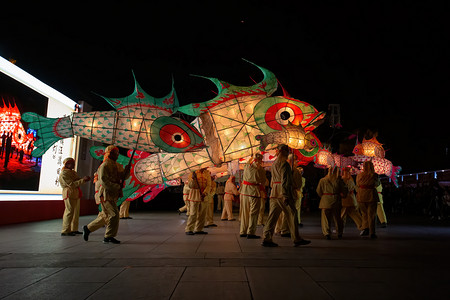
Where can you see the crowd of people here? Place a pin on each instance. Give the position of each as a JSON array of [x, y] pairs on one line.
[[427, 199]]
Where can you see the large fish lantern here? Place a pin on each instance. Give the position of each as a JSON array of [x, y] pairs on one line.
[[230, 123], [224, 130], [139, 122]]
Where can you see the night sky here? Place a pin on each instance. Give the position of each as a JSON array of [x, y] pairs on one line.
[[385, 64]]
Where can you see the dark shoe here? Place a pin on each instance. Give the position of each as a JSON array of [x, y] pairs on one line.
[[200, 232], [269, 244], [286, 235], [189, 233], [373, 236], [302, 242], [300, 224], [77, 232], [110, 240], [328, 237], [123, 218], [243, 235], [86, 233], [129, 218], [210, 225], [68, 234], [340, 236], [253, 236], [383, 225], [223, 219], [365, 232]]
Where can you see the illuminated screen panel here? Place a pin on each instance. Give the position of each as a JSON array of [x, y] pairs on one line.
[[23, 177]]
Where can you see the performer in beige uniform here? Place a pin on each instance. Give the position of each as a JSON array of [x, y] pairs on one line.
[[209, 199], [282, 199], [220, 192], [230, 192], [200, 185], [124, 212], [349, 204], [262, 209], [186, 190], [71, 193], [253, 177], [380, 209], [328, 190], [108, 188], [367, 197], [297, 185]]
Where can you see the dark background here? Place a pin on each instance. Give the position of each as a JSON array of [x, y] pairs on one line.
[[385, 63]]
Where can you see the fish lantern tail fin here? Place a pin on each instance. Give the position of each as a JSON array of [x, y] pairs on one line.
[[394, 174], [49, 131]]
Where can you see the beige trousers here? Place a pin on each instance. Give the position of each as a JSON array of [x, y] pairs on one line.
[[380, 213], [262, 209], [368, 212], [71, 215], [197, 213], [209, 218], [220, 202], [276, 207], [353, 213], [124, 209], [330, 215], [109, 216], [249, 218], [227, 211], [298, 205]]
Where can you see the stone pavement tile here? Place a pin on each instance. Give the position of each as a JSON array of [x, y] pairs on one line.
[[48, 261], [56, 290], [14, 279], [358, 290], [163, 262], [141, 283], [217, 290], [214, 274], [89, 274], [258, 262], [283, 283]]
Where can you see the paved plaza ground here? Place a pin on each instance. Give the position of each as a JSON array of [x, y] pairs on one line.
[[156, 260]]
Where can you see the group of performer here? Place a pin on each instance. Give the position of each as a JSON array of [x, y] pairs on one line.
[[286, 184], [337, 191], [340, 197]]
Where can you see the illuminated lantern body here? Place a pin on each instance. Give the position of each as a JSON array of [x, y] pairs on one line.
[[224, 130], [131, 125], [371, 148], [230, 123]]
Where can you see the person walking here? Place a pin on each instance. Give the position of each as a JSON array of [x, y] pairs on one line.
[[282, 200], [230, 191], [328, 190], [209, 200], [349, 204], [108, 189], [253, 177], [71, 193], [200, 185], [367, 198]]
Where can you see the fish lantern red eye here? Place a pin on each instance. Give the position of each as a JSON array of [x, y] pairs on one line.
[[173, 135], [273, 113]]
